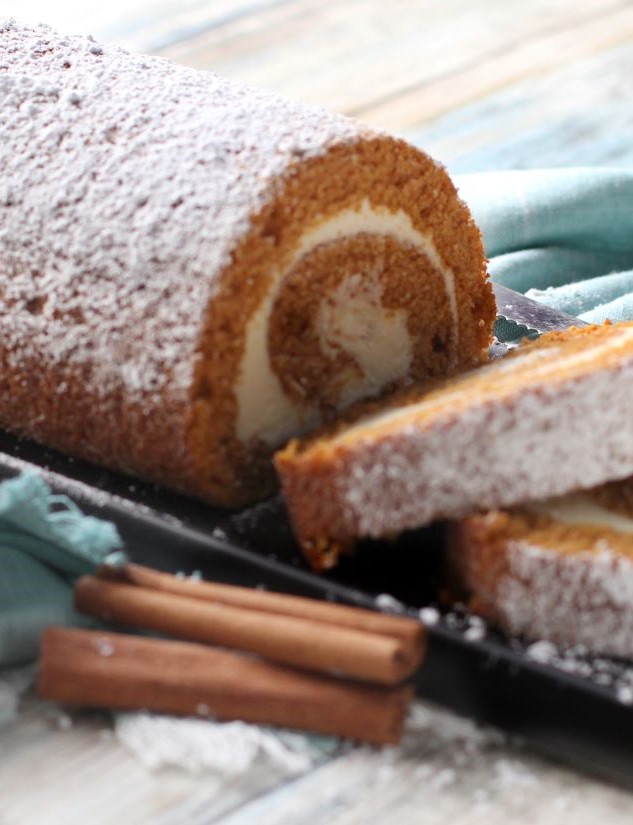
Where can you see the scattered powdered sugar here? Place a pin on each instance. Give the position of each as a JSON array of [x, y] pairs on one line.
[[426, 719], [104, 646], [476, 629], [442, 778], [444, 758], [544, 652], [449, 770], [63, 721], [229, 748], [193, 578], [585, 599], [583, 427], [510, 773], [429, 616], [472, 627], [388, 603], [613, 675]]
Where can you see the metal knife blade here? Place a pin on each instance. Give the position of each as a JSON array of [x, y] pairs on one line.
[[516, 308]]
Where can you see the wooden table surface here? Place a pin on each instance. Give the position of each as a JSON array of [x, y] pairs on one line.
[[497, 84]]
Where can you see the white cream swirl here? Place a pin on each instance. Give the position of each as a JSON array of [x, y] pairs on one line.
[[376, 337]]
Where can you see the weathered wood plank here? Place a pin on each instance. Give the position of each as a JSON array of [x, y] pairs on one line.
[[404, 64], [578, 115], [531, 56]]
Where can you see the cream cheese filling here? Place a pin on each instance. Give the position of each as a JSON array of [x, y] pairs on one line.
[[353, 320], [377, 338], [530, 365], [581, 508]]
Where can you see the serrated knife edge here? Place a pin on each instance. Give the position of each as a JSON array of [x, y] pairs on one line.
[[514, 307]]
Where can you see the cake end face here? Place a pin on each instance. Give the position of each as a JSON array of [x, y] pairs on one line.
[[366, 274]]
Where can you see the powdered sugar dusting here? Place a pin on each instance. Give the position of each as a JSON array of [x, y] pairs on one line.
[[613, 676], [581, 599], [574, 657], [389, 604], [541, 651], [429, 616], [491, 454], [476, 629], [228, 748], [141, 173]]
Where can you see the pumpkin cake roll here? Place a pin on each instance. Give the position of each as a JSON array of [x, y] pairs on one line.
[[559, 570], [551, 417], [192, 271]]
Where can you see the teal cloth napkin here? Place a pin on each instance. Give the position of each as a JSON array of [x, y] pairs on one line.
[[561, 236], [45, 543]]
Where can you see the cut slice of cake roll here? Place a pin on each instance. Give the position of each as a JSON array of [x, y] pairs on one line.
[[192, 271], [553, 416], [560, 570]]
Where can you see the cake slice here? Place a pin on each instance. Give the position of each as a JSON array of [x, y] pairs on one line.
[[560, 570], [552, 417]]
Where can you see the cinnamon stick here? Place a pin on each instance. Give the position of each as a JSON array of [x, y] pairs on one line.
[[266, 601], [113, 670], [305, 643]]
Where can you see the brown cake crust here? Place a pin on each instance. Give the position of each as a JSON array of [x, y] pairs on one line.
[[145, 212]]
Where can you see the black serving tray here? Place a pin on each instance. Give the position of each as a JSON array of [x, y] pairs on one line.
[[571, 709]]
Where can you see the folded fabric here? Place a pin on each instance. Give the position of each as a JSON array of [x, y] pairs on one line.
[[562, 236], [45, 542]]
